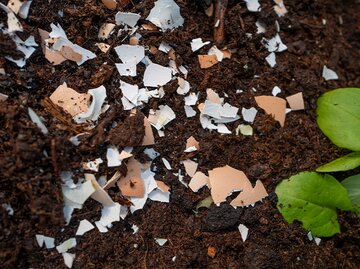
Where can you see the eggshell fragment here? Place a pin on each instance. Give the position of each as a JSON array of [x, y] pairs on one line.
[[207, 61], [190, 167], [149, 135], [198, 181], [274, 106], [100, 194], [296, 101], [224, 180], [132, 185], [251, 195], [192, 142], [70, 100], [110, 4], [105, 30]]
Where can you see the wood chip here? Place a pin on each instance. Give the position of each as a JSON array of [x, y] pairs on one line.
[[207, 61], [274, 106]]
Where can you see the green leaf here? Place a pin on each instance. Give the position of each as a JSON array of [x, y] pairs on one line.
[[344, 163], [312, 198], [339, 117], [352, 184]]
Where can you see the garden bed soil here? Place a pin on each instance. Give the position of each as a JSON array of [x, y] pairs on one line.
[[30, 183]]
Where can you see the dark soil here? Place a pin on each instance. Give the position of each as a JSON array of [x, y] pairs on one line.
[[30, 183]]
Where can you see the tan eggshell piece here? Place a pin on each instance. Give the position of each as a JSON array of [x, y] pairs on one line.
[[54, 57], [100, 194], [250, 196], [70, 54], [105, 30], [207, 61], [111, 182], [213, 96], [162, 186], [172, 54], [274, 106], [124, 155], [70, 100], [192, 142], [110, 4], [296, 101], [225, 180], [133, 40], [103, 47], [226, 53], [201, 107], [198, 181], [149, 135], [132, 185], [190, 167], [15, 5]]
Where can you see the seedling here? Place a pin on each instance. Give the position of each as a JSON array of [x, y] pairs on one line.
[[313, 198]]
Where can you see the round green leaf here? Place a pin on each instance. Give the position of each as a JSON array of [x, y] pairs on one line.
[[344, 163], [352, 184], [312, 198], [339, 117]]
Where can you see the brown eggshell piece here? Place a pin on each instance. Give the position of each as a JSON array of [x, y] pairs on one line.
[[296, 101], [274, 106], [132, 185], [207, 61], [250, 196]]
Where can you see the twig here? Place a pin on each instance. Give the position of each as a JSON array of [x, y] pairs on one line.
[[219, 28]]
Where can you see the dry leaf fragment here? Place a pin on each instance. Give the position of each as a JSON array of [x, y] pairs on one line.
[[70, 100], [296, 101], [225, 180], [207, 61], [198, 181], [110, 4], [132, 185], [274, 106], [190, 167], [250, 196]]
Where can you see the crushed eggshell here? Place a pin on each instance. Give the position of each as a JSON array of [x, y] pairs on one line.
[[275, 44], [198, 181], [70, 100], [93, 165], [192, 142], [105, 30], [132, 185], [253, 5], [225, 180], [243, 232], [49, 241], [100, 194], [280, 8], [244, 130], [207, 61], [66, 245], [110, 4], [329, 74], [271, 59], [197, 44], [251, 195], [149, 135], [160, 241], [84, 226], [36, 119], [127, 18], [274, 106], [190, 167], [275, 91], [166, 15], [68, 259], [156, 75], [296, 101], [249, 114], [162, 186], [110, 214], [80, 193]]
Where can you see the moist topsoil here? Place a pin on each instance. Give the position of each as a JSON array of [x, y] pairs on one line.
[[30, 182]]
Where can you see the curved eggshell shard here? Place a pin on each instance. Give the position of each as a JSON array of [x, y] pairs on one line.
[[250, 196], [274, 106]]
